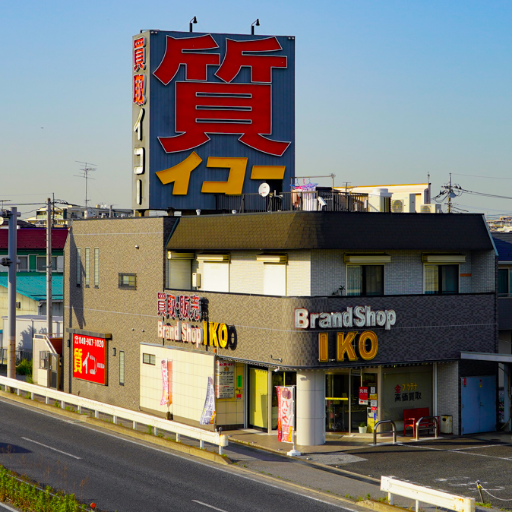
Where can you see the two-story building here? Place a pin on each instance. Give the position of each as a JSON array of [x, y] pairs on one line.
[[367, 315]]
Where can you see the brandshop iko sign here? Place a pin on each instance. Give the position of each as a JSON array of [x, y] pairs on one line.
[[211, 114]]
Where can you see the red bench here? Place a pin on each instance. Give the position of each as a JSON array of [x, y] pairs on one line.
[[411, 416]]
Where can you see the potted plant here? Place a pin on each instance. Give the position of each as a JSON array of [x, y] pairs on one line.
[[362, 427]]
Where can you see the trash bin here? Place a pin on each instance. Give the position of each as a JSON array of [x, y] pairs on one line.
[[446, 424]]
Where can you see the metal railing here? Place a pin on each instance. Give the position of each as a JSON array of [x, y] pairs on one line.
[[393, 429], [116, 413], [317, 200], [20, 354], [436, 426]]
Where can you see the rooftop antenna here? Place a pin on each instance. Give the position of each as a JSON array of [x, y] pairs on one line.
[[85, 170]]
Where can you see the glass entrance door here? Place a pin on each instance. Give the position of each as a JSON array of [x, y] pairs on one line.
[[337, 402]]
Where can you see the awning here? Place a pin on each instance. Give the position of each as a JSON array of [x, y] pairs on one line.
[[487, 356]]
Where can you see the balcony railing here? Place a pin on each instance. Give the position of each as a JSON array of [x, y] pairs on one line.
[[318, 200]]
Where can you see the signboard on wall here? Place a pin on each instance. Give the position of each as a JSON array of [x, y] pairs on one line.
[[224, 379], [211, 114], [89, 358]]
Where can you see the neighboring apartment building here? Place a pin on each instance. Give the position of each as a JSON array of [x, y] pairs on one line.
[[31, 274], [367, 315]]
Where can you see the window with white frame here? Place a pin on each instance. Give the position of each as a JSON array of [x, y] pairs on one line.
[[41, 263], [121, 368], [22, 263], [215, 272], [179, 270]]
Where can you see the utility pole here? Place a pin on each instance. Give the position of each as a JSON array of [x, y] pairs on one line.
[[450, 196], [11, 262], [49, 306]]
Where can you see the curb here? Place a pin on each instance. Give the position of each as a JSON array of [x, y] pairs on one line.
[[142, 436]]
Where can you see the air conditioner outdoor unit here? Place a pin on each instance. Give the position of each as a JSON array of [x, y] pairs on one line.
[[430, 208], [397, 205]]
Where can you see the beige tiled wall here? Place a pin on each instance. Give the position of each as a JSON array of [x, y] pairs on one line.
[[190, 372]]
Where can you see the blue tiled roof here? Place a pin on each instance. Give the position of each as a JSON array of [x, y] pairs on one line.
[[503, 243], [34, 285]]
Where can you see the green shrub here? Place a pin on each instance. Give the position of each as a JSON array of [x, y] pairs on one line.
[[24, 367]]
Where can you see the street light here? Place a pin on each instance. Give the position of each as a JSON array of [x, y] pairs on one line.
[[253, 24], [192, 21]]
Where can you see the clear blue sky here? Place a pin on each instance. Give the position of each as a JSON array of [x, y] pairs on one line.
[[386, 91]]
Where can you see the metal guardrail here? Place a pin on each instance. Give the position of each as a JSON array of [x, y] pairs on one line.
[[436, 426], [215, 438], [316, 200], [425, 495], [380, 423]]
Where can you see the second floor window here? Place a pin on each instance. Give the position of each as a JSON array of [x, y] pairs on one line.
[[365, 280], [504, 284], [441, 279]]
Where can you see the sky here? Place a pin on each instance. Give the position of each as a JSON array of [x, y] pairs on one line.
[[387, 92]]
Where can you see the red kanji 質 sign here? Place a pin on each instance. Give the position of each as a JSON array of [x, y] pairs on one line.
[[222, 108], [89, 355]]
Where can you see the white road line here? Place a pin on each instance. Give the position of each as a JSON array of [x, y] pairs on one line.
[[209, 506], [188, 459], [475, 447], [51, 448]]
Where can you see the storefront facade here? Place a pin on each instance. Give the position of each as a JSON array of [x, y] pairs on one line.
[[237, 305]]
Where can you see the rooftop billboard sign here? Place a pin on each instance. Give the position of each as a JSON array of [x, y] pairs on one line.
[[212, 114]]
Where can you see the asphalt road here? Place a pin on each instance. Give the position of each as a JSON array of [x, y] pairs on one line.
[[452, 465], [125, 475]]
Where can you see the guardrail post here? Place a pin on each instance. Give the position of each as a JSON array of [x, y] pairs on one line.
[[201, 444], [32, 396], [18, 391], [63, 404], [134, 425], [221, 451], [96, 414], [390, 498], [155, 431], [177, 438], [46, 400], [79, 409], [114, 420]]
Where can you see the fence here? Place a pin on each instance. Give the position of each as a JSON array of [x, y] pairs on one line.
[[116, 413], [20, 354], [317, 200], [425, 495]]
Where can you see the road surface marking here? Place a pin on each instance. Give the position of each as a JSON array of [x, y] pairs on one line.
[[209, 506], [51, 448]]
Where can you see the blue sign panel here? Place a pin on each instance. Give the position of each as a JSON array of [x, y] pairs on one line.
[[212, 114]]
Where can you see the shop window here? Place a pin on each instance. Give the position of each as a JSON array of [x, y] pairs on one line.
[[96, 267], [87, 267], [121, 368], [441, 279], [41, 263], [148, 359], [365, 280], [504, 282], [78, 267], [128, 281]]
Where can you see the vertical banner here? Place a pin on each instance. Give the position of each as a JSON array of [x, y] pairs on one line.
[[166, 365], [208, 415], [363, 395], [285, 413]]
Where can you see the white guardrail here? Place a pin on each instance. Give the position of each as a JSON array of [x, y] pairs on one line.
[[215, 438], [425, 495]]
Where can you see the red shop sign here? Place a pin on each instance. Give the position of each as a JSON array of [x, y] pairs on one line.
[[89, 354]]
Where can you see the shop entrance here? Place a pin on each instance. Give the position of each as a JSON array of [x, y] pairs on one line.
[[281, 379], [258, 398], [345, 411]]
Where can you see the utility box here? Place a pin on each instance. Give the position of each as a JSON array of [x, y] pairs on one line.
[[446, 425]]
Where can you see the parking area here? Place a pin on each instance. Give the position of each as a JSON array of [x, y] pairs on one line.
[[452, 465]]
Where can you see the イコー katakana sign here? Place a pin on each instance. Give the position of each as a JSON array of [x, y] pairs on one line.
[[212, 114]]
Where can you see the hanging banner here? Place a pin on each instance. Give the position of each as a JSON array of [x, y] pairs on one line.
[[166, 365], [208, 415], [285, 413]]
